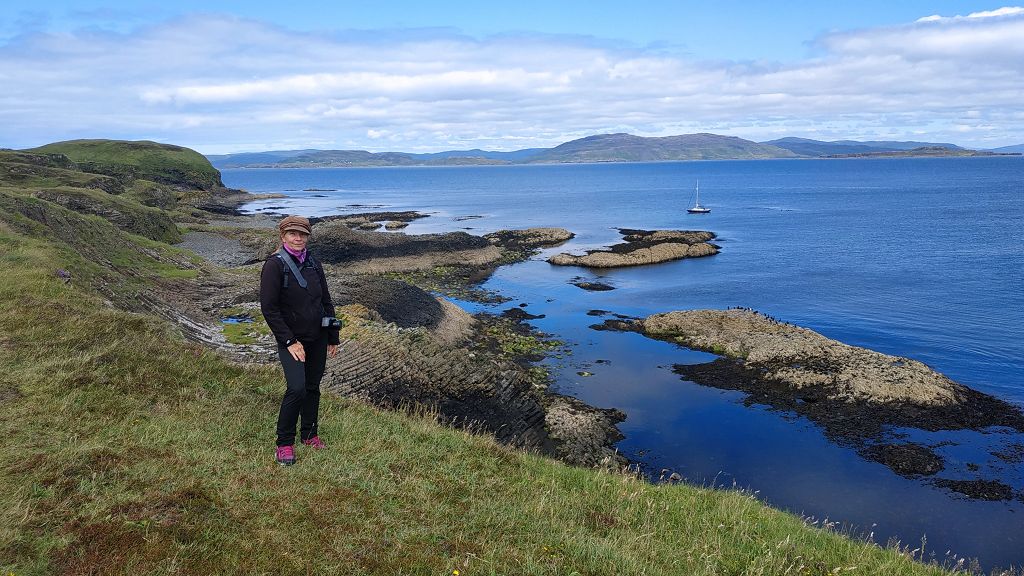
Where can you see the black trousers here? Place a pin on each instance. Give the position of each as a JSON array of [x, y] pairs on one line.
[[303, 394]]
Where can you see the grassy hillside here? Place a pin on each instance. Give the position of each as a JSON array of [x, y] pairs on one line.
[[629, 148], [806, 147], [130, 451], [127, 161], [57, 180], [817, 148]]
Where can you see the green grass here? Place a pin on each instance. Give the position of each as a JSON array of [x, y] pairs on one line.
[[162, 163], [244, 332], [130, 451]]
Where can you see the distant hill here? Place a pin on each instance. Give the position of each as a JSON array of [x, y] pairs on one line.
[[247, 158], [514, 156], [924, 151], [807, 147], [600, 148], [145, 160], [816, 148], [901, 145], [342, 158], [629, 148], [1015, 148]]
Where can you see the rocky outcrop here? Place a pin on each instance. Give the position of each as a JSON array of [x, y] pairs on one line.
[[397, 367], [583, 435], [335, 243], [402, 305], [372, 220], [855, 394], [802, 358], [152, 223], [529, 238], [644, 247]]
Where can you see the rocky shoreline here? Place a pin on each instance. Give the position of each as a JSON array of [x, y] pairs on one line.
[[856, 395], [403, 348]]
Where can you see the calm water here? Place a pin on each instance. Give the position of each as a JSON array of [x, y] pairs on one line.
[[913, 257]]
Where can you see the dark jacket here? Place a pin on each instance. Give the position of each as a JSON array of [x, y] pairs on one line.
[[295, 313]]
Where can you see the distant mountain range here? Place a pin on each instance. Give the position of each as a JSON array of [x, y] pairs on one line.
[[818, 148], [344, 158], [606, 148], [1019, 148]]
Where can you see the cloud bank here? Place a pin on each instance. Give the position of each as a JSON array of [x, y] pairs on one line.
[[224, 84]]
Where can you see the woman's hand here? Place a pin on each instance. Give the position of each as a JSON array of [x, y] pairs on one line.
[[332, 349], [297, 352]]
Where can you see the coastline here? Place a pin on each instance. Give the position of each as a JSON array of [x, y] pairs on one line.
[[399, 350], [166, 296], [694, 280]]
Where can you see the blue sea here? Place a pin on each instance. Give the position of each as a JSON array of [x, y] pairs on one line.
[[913, 257]]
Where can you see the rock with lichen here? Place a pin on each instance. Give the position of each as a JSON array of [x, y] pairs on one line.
[[642, 247]]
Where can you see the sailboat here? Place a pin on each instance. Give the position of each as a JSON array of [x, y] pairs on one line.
[[697, 208]]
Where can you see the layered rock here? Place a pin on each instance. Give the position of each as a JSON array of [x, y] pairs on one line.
[[335, 243], [529, 238], [857, 395], [802, 358], [644, 247]]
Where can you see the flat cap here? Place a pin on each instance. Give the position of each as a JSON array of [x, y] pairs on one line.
[[297, 223]]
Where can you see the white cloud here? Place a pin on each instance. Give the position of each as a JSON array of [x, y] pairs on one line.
[[222, 84], [1005, 11]]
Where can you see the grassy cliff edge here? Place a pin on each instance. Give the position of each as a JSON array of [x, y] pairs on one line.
[[129, 450]]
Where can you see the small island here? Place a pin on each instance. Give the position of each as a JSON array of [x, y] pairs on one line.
[[642, 247]]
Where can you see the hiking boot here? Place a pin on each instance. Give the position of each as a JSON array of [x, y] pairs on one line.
[[315, 442], [285, 455]]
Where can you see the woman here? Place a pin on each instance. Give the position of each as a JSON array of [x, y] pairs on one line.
[[298, 308]]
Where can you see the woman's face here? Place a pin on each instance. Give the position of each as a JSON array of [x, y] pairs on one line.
[[295, 240]]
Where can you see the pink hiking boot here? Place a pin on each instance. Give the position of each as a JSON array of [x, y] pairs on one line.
[[285, 455], [315, 442]]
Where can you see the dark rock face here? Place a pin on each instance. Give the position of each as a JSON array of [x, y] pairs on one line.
[[396, 302], [991, 490], [404, 216], [402, 369], [591, 286], [909, 460], [335, 243], [520, 315]]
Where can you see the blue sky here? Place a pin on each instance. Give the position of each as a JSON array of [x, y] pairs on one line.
[[419, 76]]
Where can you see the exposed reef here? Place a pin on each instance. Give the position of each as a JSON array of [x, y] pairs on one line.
[[336, 243], [529, 238], [857, 395], [642, 247]]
